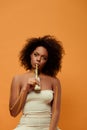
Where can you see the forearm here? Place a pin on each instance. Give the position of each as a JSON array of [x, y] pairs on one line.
[[54, 121], [18, 104]]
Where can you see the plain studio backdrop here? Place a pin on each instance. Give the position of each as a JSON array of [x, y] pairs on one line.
[[67, 21]]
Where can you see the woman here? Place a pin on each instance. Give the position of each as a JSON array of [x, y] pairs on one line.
[[41, 106]]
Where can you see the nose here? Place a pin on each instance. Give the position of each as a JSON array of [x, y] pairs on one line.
[[38, 58]]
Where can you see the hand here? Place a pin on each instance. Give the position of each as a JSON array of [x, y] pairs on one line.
[[32, 82]]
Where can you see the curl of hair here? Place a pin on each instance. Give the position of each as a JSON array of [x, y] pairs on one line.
[[55, 54]]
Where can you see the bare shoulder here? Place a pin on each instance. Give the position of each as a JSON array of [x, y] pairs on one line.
[[56, 83], [18, 79]]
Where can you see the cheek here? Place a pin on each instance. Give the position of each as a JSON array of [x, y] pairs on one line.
[[32, 59], [43, 63]]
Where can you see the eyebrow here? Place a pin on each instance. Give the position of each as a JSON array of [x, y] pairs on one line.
[[42, 55]]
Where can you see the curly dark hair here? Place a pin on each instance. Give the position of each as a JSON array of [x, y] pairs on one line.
[[55, 54]]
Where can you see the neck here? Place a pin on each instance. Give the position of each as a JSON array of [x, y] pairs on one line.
[[34, 69]]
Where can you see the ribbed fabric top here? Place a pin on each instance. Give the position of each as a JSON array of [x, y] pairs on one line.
[[37, 109]]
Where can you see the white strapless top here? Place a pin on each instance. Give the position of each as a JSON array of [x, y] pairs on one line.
[[37, 111], [38, 102]]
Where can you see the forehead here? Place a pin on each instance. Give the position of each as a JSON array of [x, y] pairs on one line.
[[41, 50]]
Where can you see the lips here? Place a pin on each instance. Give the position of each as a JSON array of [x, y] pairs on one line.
[[37, 64]]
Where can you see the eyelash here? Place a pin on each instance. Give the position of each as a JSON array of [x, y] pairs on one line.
[[35, 54]]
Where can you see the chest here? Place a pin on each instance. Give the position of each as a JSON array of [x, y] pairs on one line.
[[43, 96], [45, 82]]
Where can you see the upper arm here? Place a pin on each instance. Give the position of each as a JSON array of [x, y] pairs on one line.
[[15, 90], [57, 95]]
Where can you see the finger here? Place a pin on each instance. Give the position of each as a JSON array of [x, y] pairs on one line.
[[37, 82]]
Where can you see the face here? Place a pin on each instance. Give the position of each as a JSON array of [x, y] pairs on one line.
[[39, 56]]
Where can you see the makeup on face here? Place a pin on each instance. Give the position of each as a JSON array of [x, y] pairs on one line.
[[39, 56]]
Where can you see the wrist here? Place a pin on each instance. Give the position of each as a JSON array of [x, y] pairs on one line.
[[24, 90]]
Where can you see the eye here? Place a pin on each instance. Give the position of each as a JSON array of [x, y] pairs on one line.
[[44, 58], [36, 54]]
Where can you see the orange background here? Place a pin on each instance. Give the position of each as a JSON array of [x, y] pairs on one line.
[[65, 19]]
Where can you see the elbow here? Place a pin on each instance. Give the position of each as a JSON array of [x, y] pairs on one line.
[[56, 111], [13, 113], [56, 114]]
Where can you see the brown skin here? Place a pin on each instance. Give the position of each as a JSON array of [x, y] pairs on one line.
[[24, 84]]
